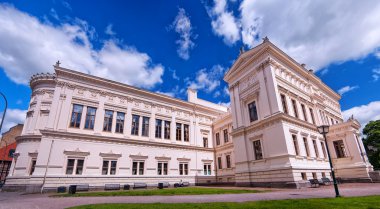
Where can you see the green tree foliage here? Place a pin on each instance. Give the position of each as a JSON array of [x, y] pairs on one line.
[[372, 142]]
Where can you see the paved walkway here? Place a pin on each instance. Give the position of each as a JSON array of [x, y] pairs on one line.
[[36, 201]]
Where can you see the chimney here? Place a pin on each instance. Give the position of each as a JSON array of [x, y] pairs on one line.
[[191, 95]]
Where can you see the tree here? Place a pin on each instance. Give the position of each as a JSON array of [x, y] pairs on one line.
[[372, 142]]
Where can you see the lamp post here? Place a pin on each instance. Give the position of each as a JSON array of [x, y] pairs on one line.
[[324, 129], [5, 110]]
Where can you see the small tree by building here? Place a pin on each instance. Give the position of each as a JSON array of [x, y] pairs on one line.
[[372, 142]]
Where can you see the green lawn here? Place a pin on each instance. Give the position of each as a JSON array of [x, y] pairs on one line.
[[344, 202], [167, 192]]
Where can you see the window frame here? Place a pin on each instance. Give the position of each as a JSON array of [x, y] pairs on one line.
[[205, 142], [109, 167], [225, 135], [340, 151], [108, 120], [207, 169], [228, 161], [258, 155], [163, 171], [145, 126], [167, 129], [295, 108], [178, 131], [135, 125], [119, 126], [77, 115], [316, 151], [158, 129], [138, 168], [217, 139], [186, 133], [89, 122], [296, 144], [183, 168], [252, 112], [304, 112], [284, 104], [75, 166], [306, 145], [32, 166]]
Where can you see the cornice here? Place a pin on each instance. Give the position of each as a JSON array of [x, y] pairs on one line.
[[78, 136]]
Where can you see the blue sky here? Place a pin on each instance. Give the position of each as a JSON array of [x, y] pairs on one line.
[[169, 46]]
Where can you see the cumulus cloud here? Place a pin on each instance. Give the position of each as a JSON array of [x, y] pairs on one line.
[[29, 46], [183, 27], [314, 32], [346, 89], [12, 117], [376, 74], [207, 80], [224, 23], [109, 30], [364, 113]]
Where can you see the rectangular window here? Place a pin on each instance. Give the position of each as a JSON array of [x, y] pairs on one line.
[[74, 166], [183, 169], [284, 106], [314, 175], [220, 163], [120, 118], [295, 108], [332, 121], [315, 148], [304, 112], [167, 130], [135, 125], [109, 167], [138, 168], [76, 116], [217, 139], [306, 144], [205, 142], [252, 111], [340, 149], [324, 149], [295, 143], [323, 174], [303, 176], [158, 128], [145, 126], [312, 115], [32, 166], [162, 168], [90, 118], [225, 133], [228, 161], [108, 116], [207, 169], [178, 132], [186, 134], [257, 149]]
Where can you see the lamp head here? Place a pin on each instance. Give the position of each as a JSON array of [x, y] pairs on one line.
[[324, 129]]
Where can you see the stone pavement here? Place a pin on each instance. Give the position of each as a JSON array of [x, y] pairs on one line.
[[36, 201]]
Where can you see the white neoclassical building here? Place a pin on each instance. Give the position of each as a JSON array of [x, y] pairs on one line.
[[82, 129]]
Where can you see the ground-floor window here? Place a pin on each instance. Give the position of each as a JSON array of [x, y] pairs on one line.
[[183, 169], [228, 161], [303, 174], [138, 168], [323, 174], [74, 166], [162, 168], [257, 149], [314, 175], [32, 166], [340, 149], [220, 163], [207, 169], [109, 167]]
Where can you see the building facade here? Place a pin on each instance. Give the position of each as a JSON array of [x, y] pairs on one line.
[[85, 129]]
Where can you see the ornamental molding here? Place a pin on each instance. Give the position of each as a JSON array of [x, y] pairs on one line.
[[207, 161], [138, 157], [76, 152], [33, 154], [256, 137], [110, 154], [184, 159], [163, 158]]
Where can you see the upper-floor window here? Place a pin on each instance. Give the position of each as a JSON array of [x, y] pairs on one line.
[[186, 133], [284, 106], [312, 115], [178, 132], [324, 149], [228, 161], [306, 144], [109, 167], [32, 166], [225, 134], [135, 125], [220, 163], [167, 130], [145, 126], [120, 118], [316, 149], [295, 108], [108, 117], [332, 121], [74, 166], [158, 128], [257, 149], [207, 169], [295, 143], [304, 112], [340, 149], [90, 118], [138, 168], [76, 116], [252, 111], [183, 169], [217, 138], [205, 142], [162, 168]]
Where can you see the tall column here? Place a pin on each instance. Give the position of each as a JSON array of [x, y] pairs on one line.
[[191, 129], [152, 123], [54, 108], [99, 116], [173, 127], [83, 119], [66, 108], [128, 126]]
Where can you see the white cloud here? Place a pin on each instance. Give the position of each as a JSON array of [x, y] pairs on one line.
[[314, 32], [226, 104], [183, 27], [226, 91], [376, 74], [174, 75], [109, 30], [346, 89], [66, 5], [12, 117], [54, 14], [29, 46], [207, 80], [170, 94], [223, 22], [364, 113]]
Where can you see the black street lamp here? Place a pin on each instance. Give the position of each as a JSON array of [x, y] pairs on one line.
[[5, 110], [324, 129]]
